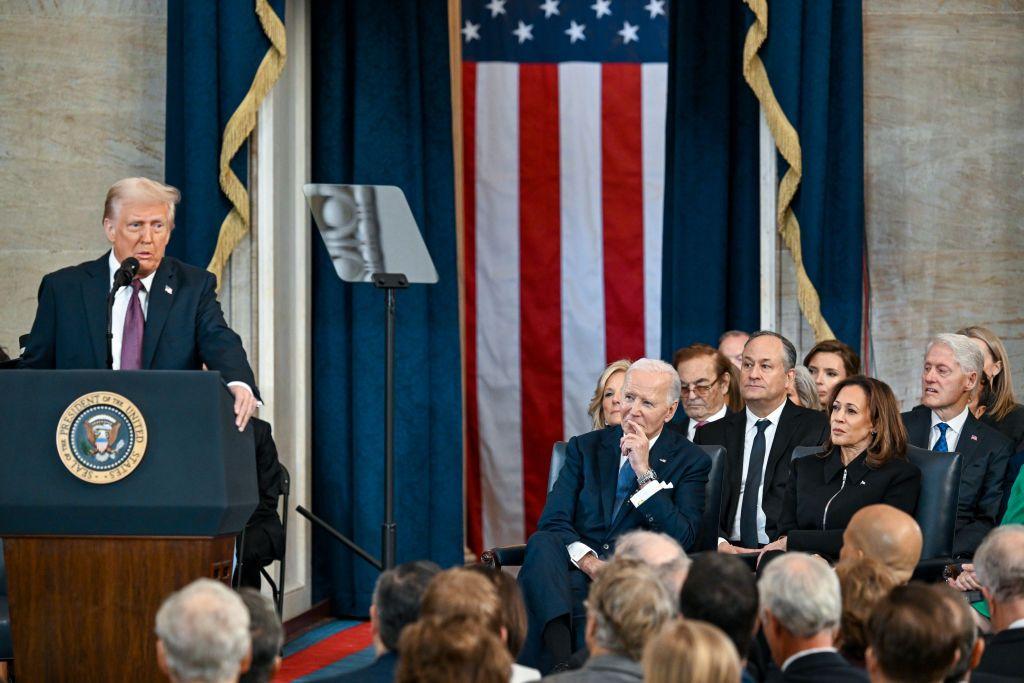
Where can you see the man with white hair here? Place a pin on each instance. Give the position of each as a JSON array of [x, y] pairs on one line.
[[660, 552], [943, 423], [999, 563], [634, 476], [165, 314], [203, 634], [800, 610]]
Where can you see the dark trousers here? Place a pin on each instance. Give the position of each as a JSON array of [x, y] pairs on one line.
[[553, 588]]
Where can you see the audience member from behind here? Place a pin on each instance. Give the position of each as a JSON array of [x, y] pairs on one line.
[[886, 535], [970, 645], [605, 407], [720, 589], [802, 391], [690, 651], [830, 362], [451, 650], [266, 634], [203, 634], [862, 583], [864, 463], [999, 564], [910, 639], [513, 617], [660, 552], [800, 612], [944, 423], [395, 605], [1001, 410], [709, 388], [731, 345], [627, 605]]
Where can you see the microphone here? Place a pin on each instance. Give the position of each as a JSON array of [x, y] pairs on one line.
[[126, 273]]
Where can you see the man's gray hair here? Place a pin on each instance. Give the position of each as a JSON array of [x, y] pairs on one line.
[[802, 593], [660, 366], [204, 629], [999, 562], [659, 551], [966, 353], [788, 350]]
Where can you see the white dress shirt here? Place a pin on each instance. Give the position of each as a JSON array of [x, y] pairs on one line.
[[577, 549], [748, 443], [956, 428], [691, 428]]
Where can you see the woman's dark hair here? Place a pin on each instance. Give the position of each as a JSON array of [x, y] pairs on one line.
[[851, 361], [889, 436], [513, 609]]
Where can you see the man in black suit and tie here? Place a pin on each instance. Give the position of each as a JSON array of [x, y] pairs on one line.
[[943, 423], [706, 384], [759, 442], [167, 318], [800, 610], [634, 476], [1000, 567]]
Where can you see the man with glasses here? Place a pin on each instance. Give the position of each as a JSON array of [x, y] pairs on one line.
[[706, 385]]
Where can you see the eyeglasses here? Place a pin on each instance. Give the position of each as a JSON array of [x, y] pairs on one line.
[[700, 390]]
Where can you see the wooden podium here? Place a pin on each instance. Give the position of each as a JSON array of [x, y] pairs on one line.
[[97, 535]]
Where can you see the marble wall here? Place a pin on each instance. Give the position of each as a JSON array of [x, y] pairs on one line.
[[82, 96]]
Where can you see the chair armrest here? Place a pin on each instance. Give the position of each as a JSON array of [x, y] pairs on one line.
[[507, 556]]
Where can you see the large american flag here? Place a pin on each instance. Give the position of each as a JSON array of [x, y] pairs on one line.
[[564, 143]]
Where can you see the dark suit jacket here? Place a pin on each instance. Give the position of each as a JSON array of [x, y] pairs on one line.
[[1004, 654], [579, 506], [797, 427], [822, 667], [184, 324], [985, 454], [681, 421], [818, 482], [1011, 426], [381, 671], [264, 535]]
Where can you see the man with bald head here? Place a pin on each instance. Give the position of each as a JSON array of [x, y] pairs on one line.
[[886, 535]]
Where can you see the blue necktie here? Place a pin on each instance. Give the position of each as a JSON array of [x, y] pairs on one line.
[[941, 446], [748, 506], [624, 487]]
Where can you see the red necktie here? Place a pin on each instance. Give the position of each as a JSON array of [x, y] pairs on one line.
[[131, 338]]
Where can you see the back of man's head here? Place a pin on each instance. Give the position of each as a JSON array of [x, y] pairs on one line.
[[660, 552], [721, 590], [397, 597], [971, 647], [887, 535], [801, 593], [627, 604], [999, 563], [911, 637], [203, 633], [463, 593], [267, 637]]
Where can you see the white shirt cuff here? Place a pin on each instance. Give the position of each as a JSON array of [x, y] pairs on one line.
[[648, 490], [243, 384], [577, 551]]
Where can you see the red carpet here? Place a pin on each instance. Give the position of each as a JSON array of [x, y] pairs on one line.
[[325, 647]]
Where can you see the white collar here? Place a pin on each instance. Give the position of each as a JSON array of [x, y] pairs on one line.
[[717, 416], [772, 417], [804, 653], [114, 264], [1015, 624], [956, 424]]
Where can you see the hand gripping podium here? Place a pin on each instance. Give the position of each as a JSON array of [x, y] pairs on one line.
[[116, 489]]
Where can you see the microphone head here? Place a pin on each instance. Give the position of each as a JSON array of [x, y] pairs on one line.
[[130, 264]]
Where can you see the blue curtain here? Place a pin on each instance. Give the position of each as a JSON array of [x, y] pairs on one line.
[[213, 51], [381, 114], [710, 261]]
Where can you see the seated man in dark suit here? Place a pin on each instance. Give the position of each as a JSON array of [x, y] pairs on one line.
[[800, 612], [166, 318], [264, 535], [912, 636], [759, 442], [636, 475], [709, 387], [999, 564], [943, 423]]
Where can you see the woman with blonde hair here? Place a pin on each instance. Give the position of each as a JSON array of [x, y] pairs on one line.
[[605, 405], [997, 406], [689, 651]]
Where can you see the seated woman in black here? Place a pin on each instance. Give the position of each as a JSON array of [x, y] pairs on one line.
[[864, 462]]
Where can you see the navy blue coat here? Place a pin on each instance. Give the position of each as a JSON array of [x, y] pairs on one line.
[[184, 323], [579, 506]]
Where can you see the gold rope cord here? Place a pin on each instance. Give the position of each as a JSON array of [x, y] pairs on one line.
[[788, 143], [242, 122]]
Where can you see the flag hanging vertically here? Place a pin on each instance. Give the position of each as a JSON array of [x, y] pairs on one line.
[[563, 114]]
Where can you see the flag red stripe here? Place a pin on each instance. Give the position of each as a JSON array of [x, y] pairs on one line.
[[623, 210], [326, 652], [474, 500], [539, 280]]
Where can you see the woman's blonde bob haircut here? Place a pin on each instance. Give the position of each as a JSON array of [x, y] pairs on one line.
[[690, 650], [141, 190], [595, 409]]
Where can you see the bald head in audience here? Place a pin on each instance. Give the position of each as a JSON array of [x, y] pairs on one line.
[[886, 535]]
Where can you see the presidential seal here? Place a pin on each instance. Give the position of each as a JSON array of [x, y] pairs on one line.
[[101, 437]]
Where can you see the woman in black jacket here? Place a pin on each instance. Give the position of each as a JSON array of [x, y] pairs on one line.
[[864, 462]]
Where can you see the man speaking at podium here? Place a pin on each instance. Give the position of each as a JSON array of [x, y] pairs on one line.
[[165, 318]]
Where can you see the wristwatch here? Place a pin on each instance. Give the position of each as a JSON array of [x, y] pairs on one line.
[[646, 478]]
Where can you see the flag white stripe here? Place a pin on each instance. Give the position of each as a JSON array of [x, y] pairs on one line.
[[583, 336], [499, 384], [654, 94]]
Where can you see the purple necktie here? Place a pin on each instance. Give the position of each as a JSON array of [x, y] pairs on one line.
[[131, 339]]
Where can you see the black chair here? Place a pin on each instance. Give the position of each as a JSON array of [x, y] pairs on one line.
[[277, 587], [6, 649]]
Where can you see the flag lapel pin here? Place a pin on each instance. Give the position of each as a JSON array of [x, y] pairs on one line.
[[974, 437]]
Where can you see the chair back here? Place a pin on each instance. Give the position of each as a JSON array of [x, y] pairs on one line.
[[3, 571], [557, 460], [940, 495], [708, 538], [801, 451]]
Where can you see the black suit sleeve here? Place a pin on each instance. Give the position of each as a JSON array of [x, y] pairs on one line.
[[677, 511], [39, 353], [990, 498], [219, 346]]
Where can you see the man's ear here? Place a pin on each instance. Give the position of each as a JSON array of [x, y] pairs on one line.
[[871, 664], [672, 410], [246, 662], [374, 623], [976, 653], [161, 658], [276, 666], [108, 228], [972, 381]]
